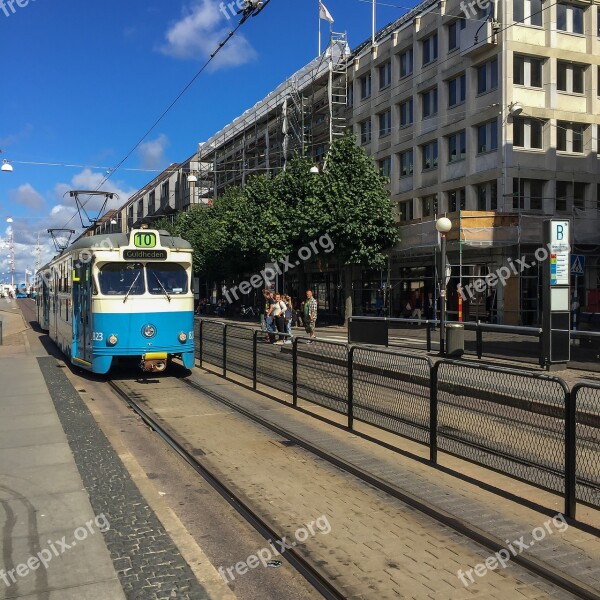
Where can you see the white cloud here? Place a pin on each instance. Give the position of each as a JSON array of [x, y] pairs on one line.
[[152, 152], [27, 196], [200, 31], [63, 214]]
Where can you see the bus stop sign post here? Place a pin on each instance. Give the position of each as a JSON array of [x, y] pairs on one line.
[[556, 296]]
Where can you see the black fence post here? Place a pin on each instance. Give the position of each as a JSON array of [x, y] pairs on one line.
[[225, 350], [201, 341], [433, 413], [541, 351], [350, 387], [254, 357], [428, 336], [479, 336], [295, 372], [571, 451]]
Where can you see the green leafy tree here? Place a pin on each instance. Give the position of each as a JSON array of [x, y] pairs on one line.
[[352, 205]]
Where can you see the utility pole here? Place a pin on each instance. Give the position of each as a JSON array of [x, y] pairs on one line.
[[38, 254], [11, 245]]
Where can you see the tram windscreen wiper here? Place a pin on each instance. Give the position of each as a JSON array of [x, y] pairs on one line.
[[162, 286], [131, 287]]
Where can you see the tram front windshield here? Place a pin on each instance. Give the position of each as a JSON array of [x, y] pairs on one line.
[[166, 277], [118, 279]]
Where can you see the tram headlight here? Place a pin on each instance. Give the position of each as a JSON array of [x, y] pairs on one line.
[[182, 337], [149, 331], [112, 340]]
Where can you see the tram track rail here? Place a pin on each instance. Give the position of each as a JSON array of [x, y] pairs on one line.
[[311, 573], [535, 566]]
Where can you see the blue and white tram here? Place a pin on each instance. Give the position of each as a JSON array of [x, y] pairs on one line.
[[120, 295]]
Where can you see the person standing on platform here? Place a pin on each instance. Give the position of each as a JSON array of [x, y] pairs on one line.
[[309, 315], [278, 313]]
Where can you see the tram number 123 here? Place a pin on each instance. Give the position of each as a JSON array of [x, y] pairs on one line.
[[144, 240]]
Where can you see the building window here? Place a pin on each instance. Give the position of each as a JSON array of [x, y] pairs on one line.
[[430, 102], [430, 155], [569, 136], [456, 200], [569, 18], [457, 147], [406, 163], [365, 132], [454, 30], [570, 195], [406, 63], [487, 196], [597, 139], [570, 77], [385, 166], [406, 211], [350, 94], [457, 90], [527, 71], [561, 195], [487, 136], [429, 206], [528, 194], [385, 123], [487, 76], [528, 133], [406, 113], [164, 194], [140, 209], [385, 75], [579, 195], [528, 12], [152, 202], [365, 86], [430, 49]]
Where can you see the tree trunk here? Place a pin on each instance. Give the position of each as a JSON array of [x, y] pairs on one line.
[[347, 293]]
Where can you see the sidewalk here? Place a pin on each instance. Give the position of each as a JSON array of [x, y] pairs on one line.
[[44, 507], [75, 526]]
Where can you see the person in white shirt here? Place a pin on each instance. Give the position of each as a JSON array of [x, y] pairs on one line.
[[278, 314]]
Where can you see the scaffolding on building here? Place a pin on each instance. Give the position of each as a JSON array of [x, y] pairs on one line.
[[303, 115]]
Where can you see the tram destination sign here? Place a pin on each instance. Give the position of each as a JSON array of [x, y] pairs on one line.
[[131, 254]]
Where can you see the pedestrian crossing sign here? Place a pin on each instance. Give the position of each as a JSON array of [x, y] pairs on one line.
[[577, 264]]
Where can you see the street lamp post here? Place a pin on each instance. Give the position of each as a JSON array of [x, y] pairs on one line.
[[443, 225]]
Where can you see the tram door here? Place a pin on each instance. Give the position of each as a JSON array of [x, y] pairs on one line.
[[82, 343]]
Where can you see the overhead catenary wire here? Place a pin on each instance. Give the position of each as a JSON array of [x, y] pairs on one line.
[[251, 9]]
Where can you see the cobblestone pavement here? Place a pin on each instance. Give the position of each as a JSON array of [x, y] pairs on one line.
[[378, 547], [147, 561]]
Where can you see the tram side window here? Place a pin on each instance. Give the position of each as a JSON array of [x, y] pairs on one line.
[[118, 279], [170, 276]]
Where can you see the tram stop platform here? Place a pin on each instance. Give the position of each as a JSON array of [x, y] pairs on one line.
[[63, 535]]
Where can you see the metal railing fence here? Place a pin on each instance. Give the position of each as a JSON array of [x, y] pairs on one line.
[[529, 426], [586, 402]]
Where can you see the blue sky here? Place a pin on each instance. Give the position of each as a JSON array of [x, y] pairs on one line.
[[83, 81]]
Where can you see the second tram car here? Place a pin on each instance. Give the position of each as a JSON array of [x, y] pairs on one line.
[[120, 295]]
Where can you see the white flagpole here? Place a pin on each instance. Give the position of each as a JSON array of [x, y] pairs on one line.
[[373, 34], [319, 16]]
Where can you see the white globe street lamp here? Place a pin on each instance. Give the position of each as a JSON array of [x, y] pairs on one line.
[[443, 225]]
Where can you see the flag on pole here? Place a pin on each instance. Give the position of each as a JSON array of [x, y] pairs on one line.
[[324, 13]]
